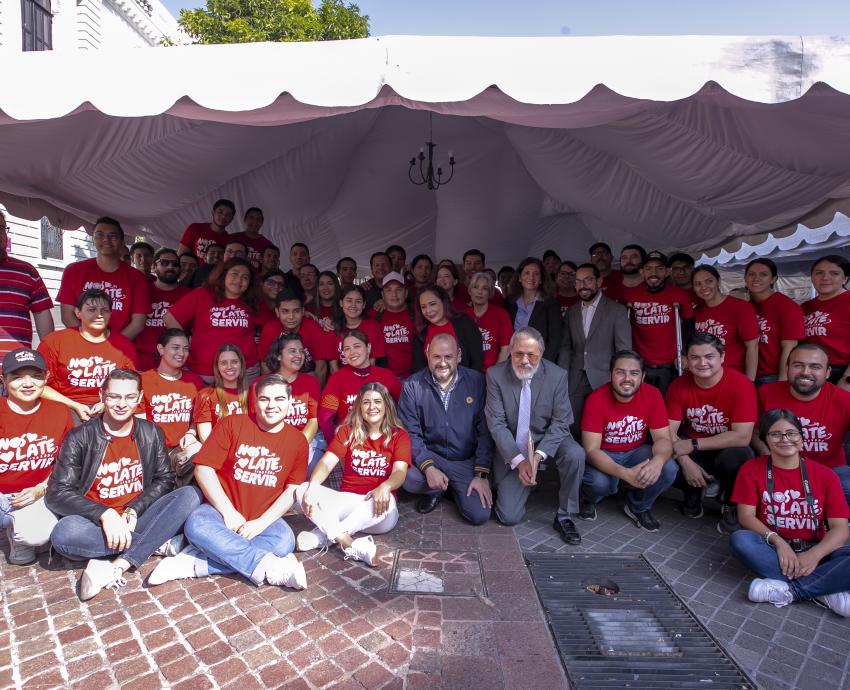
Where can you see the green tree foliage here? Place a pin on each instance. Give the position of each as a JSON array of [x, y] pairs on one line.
[[248, 21]]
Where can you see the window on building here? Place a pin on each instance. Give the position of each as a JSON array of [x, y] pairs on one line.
[[36, 24], [51, 240]]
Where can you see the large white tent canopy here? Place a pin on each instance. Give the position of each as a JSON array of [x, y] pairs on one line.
[[674, 142]]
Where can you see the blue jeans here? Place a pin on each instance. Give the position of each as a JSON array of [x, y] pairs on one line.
[[227, 552], [79, 539], [843, 473], [596, 485], [832, 574], [317, 449]]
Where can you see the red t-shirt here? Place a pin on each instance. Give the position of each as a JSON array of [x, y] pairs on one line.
[[496, 331], [371, 463], [612, 286], [161, 302], [214, 324], [169, 404], [312, 336], [79, 367], [711, 411], [22, 292], [792, 518], [827, 323], [779, 318], [623, 425], [199, 236], [397, 328], [343, 386], [825, 420], [734, 322], [373, 332], [305, 400], [654, 321], [29, 443], [432, 330], [696, 300], [119, 480], [206, 405], [128, 288], [254, 466], [567, 302], [256, 246]]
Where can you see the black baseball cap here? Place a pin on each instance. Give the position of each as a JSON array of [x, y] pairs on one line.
[[21, 359], [655, 256]]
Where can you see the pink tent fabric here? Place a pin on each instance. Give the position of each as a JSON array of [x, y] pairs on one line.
[[673, 142]]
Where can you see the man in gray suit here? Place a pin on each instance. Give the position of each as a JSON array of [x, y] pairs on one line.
[[594, 329], [527, 396]]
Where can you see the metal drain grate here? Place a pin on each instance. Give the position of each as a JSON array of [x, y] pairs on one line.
[[618, 625]]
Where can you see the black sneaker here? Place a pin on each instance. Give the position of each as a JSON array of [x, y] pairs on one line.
[[728, 520], [586, 509], [692, 505], [644, 520]]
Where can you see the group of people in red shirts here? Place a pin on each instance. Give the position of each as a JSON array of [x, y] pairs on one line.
[[261, 390]]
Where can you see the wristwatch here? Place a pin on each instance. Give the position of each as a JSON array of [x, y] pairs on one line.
[[481, 475]]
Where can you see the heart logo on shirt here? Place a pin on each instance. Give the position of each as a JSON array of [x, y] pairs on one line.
[[106, 481], [31, 437], [795, 493], [76, 373], [7, 457], [243, 462]]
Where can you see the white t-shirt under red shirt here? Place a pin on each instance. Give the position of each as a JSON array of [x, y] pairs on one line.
[[707, 412], [371, 463], [623, 425], [827, 323], [779, 318], [825, 420], [734, 322], [654, 321]]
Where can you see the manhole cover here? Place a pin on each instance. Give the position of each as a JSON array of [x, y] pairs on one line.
[[641, 636], [441, 573]]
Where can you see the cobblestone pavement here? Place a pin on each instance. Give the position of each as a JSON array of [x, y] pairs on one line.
[[798, 646], [347, 630]]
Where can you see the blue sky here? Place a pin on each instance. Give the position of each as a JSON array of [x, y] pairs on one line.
[[597, 17]]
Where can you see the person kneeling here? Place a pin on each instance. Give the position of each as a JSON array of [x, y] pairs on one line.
[[114, 485], [793, 516], [376, 454], [248, 471]]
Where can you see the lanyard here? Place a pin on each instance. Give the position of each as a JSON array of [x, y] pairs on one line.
[[806, 489]]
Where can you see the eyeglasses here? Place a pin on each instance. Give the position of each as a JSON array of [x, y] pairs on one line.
[[113, 398], [169, 262], [108, 236], [279, 284], [793, 435]]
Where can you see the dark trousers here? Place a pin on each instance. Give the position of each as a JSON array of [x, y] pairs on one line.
[[723, 465], [577, 398], [660, 376], [459, 473]]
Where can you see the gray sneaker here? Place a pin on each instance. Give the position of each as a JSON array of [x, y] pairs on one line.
[[19, 554]]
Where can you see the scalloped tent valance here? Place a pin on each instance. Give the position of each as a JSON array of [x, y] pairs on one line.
[[686, 141]]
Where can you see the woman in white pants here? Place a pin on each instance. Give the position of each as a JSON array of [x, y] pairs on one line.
[[375, 451]]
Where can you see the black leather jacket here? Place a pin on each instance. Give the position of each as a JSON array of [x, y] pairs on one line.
[[79, 459]]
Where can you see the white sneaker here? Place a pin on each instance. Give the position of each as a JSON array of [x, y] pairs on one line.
[[172, 547], [838, 602], [19, 554], [314, 539], [713, 489], [776, 592], [286, 571], [362, 549], [99, 575], [176, 567]]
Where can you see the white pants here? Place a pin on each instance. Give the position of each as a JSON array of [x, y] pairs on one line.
[[340, 512], [31, 525]]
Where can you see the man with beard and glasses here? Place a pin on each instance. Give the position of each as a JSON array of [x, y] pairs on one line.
[[165, 291], [653, 320], [612, 280], [632, 257], [527, 410], [822, 408], [614, 429], [442, 408], [594, 330], [681, 268]]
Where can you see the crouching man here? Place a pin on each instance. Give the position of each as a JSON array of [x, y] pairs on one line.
[[114, 485]]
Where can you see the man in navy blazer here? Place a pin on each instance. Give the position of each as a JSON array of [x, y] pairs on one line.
[[442, 408]]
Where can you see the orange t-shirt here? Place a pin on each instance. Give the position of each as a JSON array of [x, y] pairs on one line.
[[169, 404], [79, 367], [119, 478], [29, 444], [254, 466], [206, 405]]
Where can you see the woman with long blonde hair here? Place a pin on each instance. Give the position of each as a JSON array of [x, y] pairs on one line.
[[228, 396], [375, 451]]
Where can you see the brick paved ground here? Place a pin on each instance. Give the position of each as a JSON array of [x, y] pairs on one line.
[[798, 646], [345, 631]]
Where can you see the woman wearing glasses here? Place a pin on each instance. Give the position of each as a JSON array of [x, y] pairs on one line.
[[793, 516]]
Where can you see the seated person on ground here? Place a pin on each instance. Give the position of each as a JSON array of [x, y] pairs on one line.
[[375, 450], [31, 432], [114, 486], [248, 471], [442, 408], [614, 427], [793, 518]]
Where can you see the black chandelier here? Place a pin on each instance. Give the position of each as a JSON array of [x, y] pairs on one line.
[[426, 175]]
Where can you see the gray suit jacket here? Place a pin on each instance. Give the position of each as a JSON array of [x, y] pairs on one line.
[[610, 331], [551, 414]]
